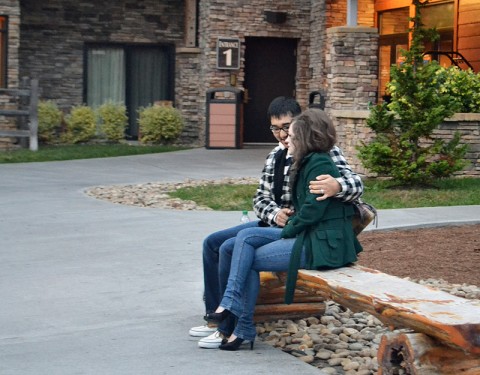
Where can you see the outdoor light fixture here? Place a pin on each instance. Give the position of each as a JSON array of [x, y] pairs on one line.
[[275, 17]]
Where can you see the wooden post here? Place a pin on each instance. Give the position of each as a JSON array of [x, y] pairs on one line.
[[33, 117], [23, 102]]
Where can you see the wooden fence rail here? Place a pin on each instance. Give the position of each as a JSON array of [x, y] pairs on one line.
[[30, 112]]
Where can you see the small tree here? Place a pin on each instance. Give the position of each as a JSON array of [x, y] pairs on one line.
[[403, 147]]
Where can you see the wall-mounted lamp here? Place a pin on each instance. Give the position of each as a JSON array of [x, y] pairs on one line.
[[233, 79], [275, 17]]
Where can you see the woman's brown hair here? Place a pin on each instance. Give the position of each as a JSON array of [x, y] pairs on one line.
[[314, 132]]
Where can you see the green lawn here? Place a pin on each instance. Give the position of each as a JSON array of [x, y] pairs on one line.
[[381, 194], [71, 152]]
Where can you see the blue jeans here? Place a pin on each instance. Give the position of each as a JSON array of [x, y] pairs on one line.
[[212, 246], [255, 250]]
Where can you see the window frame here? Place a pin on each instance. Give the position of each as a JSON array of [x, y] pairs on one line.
[[4, 53]]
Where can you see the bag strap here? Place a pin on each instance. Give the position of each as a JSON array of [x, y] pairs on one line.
[[293, 268]]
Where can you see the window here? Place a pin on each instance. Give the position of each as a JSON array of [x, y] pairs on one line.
[[136, 76], [3, 50], [393, 27], [394, 24], [440, 16]]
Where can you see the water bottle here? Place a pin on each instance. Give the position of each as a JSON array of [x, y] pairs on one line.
[[244, 219]]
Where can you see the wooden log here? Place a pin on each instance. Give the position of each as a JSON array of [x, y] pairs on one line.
[[419, 354], [400, 303], [270, 302], [294, 311], [272, 290]]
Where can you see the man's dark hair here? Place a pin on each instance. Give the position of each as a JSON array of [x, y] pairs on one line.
[[283, 106]]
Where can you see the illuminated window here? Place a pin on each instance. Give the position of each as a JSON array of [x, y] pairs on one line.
[[440, 16]]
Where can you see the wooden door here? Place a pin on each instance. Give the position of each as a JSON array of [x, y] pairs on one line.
[[270, 69]]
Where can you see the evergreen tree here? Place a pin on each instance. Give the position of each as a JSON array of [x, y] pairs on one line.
[[403, 147]]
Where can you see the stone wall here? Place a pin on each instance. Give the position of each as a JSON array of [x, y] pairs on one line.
[[10, 8], [63, 27], [352, 131], [468, 124]]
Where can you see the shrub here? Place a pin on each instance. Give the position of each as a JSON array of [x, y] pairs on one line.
[[113, 121], [159, 124], [49, 121], [80, 125], [464, 86]]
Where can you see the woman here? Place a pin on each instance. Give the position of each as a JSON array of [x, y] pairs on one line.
[[318, 235]]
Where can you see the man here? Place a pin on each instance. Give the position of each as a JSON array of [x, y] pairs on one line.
[[272, 205]]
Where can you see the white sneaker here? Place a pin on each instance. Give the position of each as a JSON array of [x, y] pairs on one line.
[[211, 342], [202, 331]]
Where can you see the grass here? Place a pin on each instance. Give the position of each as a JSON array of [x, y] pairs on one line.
[[72, 152], [381, 194], [219, 197]]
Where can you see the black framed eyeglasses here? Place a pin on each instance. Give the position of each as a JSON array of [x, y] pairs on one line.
[[276, 129]]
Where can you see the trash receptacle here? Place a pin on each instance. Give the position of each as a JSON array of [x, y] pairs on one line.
[[316, 99], [224, 118]]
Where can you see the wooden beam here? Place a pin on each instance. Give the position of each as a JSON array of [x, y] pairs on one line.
[[294, 311], [190, 23], [271, 300], [33, 119]]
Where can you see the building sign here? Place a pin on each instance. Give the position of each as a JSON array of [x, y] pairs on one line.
[[228, 53]]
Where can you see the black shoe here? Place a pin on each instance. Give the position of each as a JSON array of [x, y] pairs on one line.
[[234, 345], [217, 317]]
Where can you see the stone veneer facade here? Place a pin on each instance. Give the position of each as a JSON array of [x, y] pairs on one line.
[[62, 27], [340, 60], [54, 34]]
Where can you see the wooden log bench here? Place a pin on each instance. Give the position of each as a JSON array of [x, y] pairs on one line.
[[445, 337]]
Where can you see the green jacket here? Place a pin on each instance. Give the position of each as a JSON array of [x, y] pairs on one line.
[[323, 228]]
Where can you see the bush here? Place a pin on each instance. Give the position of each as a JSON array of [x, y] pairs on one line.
[[49, 121], [159, 124], [464, 86], [80, 125], [113, 121]]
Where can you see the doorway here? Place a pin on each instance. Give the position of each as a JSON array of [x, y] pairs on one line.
[[270, 70]]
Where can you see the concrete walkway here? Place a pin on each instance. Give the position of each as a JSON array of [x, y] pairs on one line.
[[90, 287]]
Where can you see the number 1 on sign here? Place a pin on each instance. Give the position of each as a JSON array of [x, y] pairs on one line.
[[228, 57]]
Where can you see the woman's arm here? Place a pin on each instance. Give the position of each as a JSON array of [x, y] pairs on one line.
[[311, 210]]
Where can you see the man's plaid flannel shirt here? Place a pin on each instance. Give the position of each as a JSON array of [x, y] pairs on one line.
[[264, 203]]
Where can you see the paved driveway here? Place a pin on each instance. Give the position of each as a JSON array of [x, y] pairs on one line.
[[90, 287]]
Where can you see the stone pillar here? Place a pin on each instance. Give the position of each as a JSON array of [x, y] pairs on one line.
[[351, 67]]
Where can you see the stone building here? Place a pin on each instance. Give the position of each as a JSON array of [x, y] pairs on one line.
[[142, 51]]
